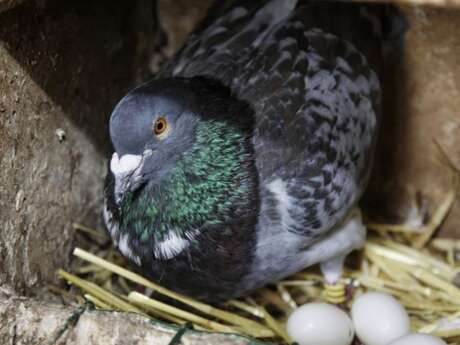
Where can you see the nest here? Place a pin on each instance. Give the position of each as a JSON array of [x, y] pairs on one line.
[[422, 272]]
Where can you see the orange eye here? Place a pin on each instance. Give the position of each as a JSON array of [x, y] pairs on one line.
[[160, 125]]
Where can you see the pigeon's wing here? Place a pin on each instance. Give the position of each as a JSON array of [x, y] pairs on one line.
[[227, 35], [316, 97], [317, 101]]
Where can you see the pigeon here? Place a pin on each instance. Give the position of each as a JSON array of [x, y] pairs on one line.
[[243, 160]]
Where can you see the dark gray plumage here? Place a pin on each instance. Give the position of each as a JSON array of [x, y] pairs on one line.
[[296, 82]]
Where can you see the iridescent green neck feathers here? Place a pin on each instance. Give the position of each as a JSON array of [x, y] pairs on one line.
[[204, 191]]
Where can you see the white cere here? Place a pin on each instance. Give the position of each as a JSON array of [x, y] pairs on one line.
[[320, 324], [124, 164], [379, 318], [418, 339]]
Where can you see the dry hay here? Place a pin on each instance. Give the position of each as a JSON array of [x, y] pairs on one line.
[[421, 272]]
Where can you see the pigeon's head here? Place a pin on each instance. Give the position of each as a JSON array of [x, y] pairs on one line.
[[159, 122], [183, 161], [152, 126]]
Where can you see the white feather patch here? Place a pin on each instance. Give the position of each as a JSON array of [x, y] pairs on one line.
[[171, 246], [123, 246], [278, 188], [110, 223]]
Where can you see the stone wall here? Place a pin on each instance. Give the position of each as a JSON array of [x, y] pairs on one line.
[[423, 107], [63, 66]]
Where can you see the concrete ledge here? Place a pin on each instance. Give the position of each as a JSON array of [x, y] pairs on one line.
[[25, 321]]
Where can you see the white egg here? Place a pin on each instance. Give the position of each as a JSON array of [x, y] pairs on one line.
[[418, 339], [379, 318], [320, 324]]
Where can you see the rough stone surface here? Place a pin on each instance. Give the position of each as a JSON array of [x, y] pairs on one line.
[[424, 93], [63, 66], [29, 322]]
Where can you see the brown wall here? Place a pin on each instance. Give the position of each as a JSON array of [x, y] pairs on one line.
[[423, 106], [63, 65]]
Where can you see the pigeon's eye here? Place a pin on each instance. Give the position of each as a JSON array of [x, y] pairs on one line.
[[160, 125]]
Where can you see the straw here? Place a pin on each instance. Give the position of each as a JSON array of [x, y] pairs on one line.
[[421, 277], [251, 327], [143, 300]]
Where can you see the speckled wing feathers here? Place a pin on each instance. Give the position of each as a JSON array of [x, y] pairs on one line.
[[216, 47], [316, 126], [316, 102]]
